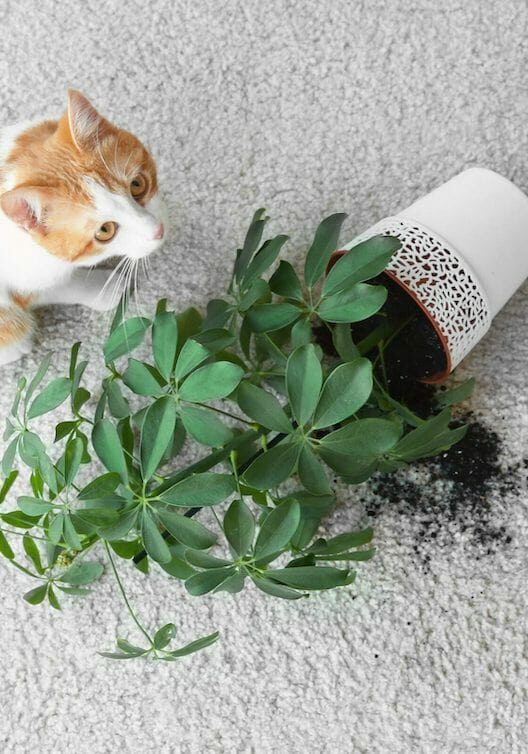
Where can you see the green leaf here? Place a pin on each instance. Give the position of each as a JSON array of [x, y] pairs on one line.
[[115, 530], [63, 429], [277, 590], [74, 590], [365, 437], [251, 242], [324, 243], [200, 490], [32, 551], [258, 292], [272, 467], [312, 577], [353, 304], [354, 469], [215, 339], [311, 473], [72, 459], [284, 282], [33, 507], [278, 528], [116, 656], [164, 635], [343, 343], [107, 445], [35, 382], [125, 338], [301, 333], [37, 595], [178, 568], [211, 382], [218, 313], [102, 486], [70, 535], [205, 581], [6, 486], [187, 531], [239, 527], [52, 396], [264, 258], [262, 407], [345, 390], [196, 646], [342, 542], [313, 509], [130, 649], [9, 456], [55, 528], [165, 342], [156, 434], [270, 317], [141, 378], [154, 543], [5, 548], [52, 598], [205, 427], [81, 573], [304, 378], [430, 438], [206, 560], [191, 355], [361, 262], [189, 323], [456, 394], [118, 405]]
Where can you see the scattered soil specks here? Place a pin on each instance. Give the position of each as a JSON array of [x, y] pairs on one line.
[[452, 496]]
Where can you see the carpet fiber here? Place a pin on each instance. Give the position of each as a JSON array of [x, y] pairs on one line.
[[304, 108]]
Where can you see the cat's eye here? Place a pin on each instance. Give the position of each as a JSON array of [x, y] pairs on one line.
[[106, 232], [138, 186]]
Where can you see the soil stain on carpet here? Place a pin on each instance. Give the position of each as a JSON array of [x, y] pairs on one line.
[[451, 495]]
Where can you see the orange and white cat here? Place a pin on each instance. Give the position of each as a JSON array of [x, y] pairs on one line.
[[73, 192]]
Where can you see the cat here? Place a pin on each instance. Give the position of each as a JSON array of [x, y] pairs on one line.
[[73, 193]]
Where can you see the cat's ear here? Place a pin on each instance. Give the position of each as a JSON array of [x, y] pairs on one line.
[[26, 206], [81, 125]]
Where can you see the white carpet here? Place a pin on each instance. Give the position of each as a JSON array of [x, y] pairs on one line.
[[305, 108]]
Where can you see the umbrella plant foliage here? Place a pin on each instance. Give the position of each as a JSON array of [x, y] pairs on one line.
[[268, 422]]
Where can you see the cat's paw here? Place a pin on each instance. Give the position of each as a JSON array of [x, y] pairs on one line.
[[15, 351]]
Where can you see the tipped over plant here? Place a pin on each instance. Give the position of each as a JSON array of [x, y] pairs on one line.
[[212, 458]]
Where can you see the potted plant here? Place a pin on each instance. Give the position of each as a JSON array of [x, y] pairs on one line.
[[270, 421], [464, 252]]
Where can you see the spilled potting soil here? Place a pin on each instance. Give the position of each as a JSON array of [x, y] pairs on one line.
[[450, 497]]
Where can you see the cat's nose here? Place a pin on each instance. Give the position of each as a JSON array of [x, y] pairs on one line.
[[160, 232]]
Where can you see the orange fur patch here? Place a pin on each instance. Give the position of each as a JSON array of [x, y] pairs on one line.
[[46, 157], [15, 324]]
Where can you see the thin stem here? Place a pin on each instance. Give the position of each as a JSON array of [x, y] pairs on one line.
[[22, 534], [225, 413], [123, 593]]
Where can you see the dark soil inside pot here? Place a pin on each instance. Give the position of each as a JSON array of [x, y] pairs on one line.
[[412, 350]]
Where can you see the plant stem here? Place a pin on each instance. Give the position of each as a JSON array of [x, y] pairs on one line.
[[22, 534], [123, 593], [225, 413]]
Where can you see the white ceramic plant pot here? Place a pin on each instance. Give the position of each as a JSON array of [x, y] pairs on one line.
[[464, 253]]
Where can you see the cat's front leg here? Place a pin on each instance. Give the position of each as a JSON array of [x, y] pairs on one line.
[[93, 288], [16, 334]]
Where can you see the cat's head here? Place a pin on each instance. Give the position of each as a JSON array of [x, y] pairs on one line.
[[84, 189]]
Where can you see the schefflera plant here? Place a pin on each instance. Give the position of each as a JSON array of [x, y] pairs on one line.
[[277, 421]]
